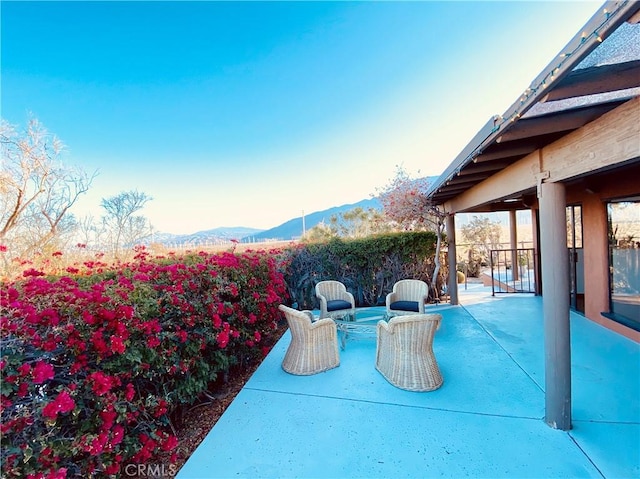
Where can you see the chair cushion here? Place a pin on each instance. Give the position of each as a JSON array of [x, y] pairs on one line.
[[337, 304], [405, 306]]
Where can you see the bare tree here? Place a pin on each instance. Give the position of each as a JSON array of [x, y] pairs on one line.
[[121, 221], [405, 201], [36, 189], [89, 233]]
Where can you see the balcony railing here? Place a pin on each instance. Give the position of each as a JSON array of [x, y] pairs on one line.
[[513, 270]]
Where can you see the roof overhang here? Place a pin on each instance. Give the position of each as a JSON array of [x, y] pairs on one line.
[[589, 78]]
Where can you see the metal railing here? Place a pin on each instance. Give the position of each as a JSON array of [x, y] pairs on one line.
[[513, 270]]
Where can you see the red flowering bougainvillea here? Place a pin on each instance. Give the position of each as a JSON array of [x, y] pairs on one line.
[[94, 365]]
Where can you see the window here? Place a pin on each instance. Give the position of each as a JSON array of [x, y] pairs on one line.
[[574, 226], [624, 260], [576, 257]]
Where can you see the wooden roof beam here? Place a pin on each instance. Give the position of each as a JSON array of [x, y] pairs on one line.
[[505, 152], [488, 167], [545, 124], [467, 179], [600, 79]]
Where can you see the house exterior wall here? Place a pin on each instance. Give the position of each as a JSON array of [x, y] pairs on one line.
[[592, 193]]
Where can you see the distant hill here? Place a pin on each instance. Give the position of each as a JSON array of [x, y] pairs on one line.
[[293, 228], [207, 237], [287, 231]]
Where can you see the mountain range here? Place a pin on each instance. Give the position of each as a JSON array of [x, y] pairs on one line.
[[295, 227], [287, 231]]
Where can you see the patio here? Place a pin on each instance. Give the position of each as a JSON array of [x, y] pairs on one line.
[[487, 419]]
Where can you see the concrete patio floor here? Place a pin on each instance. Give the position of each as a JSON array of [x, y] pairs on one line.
[[486, 421]]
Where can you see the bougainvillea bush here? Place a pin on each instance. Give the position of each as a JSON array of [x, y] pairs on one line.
[[94, 364]]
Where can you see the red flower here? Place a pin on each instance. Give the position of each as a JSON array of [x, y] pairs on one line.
[[130, 392], [97, 445], [108, 417], [112, 469], [42, 372], [98, 342], [61, 404], [24, 369], [223, 339], [59, 474], [32, 272], [23, 390], [102, 383], [170, 443], [117, 344], [88, 317], [161, 408], [117, 435]]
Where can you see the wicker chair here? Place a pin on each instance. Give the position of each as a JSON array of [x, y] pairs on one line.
[[404, 352], [408, 297], [335, 301], [314, 345]]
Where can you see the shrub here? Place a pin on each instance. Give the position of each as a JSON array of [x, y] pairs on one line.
[[94, 365], [368, 267]]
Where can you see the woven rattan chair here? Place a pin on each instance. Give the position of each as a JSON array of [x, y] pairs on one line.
[[335, 301], [408, 297], [404, 352], [314, 345]]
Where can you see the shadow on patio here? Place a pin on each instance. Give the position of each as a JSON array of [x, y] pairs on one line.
[[487, 419]]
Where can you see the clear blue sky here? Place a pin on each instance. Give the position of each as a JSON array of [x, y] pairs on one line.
[[248, 113]]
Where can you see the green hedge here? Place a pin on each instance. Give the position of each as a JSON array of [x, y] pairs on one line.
[[368, 267]]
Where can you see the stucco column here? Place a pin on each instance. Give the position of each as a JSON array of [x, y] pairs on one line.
[[555, 300], [513, 236], [452, 286]]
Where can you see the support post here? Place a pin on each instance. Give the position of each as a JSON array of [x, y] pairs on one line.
[[453, 259], [513, 236], [555, 300]]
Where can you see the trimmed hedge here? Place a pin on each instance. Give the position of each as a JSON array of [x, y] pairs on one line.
[[368, 267]]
